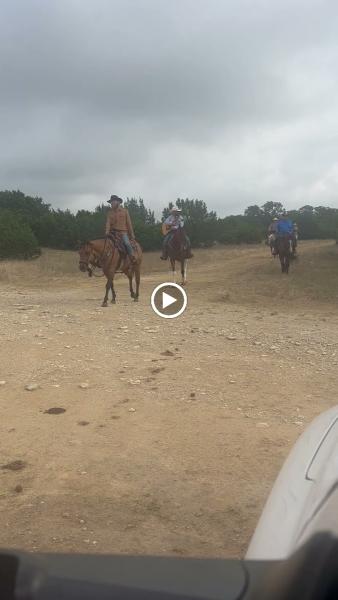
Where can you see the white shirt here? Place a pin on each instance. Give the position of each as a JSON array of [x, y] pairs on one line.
[[175, 222]]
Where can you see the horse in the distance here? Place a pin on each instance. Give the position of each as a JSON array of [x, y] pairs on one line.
[[284, 252], [271, 244], [294, 244], [109, 254], [178, 252]]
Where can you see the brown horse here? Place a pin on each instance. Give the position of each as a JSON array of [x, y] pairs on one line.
[[284, 252], [106, 253], [177, 251]]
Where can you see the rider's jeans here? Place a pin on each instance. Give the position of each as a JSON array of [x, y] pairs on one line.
[[127, 243]]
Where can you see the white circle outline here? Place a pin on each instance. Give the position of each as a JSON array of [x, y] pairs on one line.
[[170, 284]]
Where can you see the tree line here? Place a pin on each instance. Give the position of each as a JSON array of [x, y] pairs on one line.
[[28, 224]]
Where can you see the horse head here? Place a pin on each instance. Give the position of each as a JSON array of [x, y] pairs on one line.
[[86, 254]]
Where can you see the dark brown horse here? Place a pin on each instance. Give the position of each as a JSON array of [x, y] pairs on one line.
[[178, 251], [106, 254], [284, 252]]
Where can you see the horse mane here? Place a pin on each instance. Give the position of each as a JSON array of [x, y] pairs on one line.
[[83, 243]]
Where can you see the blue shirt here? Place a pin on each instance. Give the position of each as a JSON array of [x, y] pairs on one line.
[[285, 227]]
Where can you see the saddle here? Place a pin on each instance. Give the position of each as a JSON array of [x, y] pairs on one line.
[[116, 238], [117, 241]]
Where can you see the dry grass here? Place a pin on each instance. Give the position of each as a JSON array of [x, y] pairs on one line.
[[245, 275], [256, 278], [52, 264]]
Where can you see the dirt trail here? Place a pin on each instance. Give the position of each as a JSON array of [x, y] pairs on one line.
[[172, 431]]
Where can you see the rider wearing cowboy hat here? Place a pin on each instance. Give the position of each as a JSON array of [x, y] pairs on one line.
[[272, 234], [118, 219], [273, 225], [175, 221]]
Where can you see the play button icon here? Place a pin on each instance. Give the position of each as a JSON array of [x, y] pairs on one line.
[[169, 300]]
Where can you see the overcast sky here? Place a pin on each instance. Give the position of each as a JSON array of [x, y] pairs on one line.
[[231, 101]]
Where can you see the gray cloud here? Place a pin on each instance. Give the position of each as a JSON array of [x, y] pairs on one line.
[[234, 102]]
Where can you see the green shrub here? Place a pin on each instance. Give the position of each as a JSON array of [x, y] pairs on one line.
[[16, 237]]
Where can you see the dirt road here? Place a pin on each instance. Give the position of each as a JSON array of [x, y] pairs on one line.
[[171, 432]]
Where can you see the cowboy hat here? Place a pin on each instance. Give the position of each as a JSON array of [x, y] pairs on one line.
[[175, 209], [113, 197]]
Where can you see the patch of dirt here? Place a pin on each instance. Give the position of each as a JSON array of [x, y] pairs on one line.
[[183, 468]]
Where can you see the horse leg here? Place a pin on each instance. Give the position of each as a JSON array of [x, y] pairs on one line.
[[137, 279], [131, 289], [113, 293], [281, 258], [109, 285], [184, 269], [173, 269]]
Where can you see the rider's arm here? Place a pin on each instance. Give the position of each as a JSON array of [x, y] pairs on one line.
[[129, 226]]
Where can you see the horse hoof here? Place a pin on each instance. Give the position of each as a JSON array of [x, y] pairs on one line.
[[104, 304], [113, 302], [135, 299]]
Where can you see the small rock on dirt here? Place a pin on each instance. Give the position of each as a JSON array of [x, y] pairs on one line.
[[83, 423], [167, 353], [55, 410], [30, 387], [2, 382], [15, 465], [18, 489], [132, 410], [84, 386]]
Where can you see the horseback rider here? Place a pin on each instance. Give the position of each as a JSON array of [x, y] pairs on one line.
[[285, 227], [294, 237], [272, 234], [118, 220], [174, 222]]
